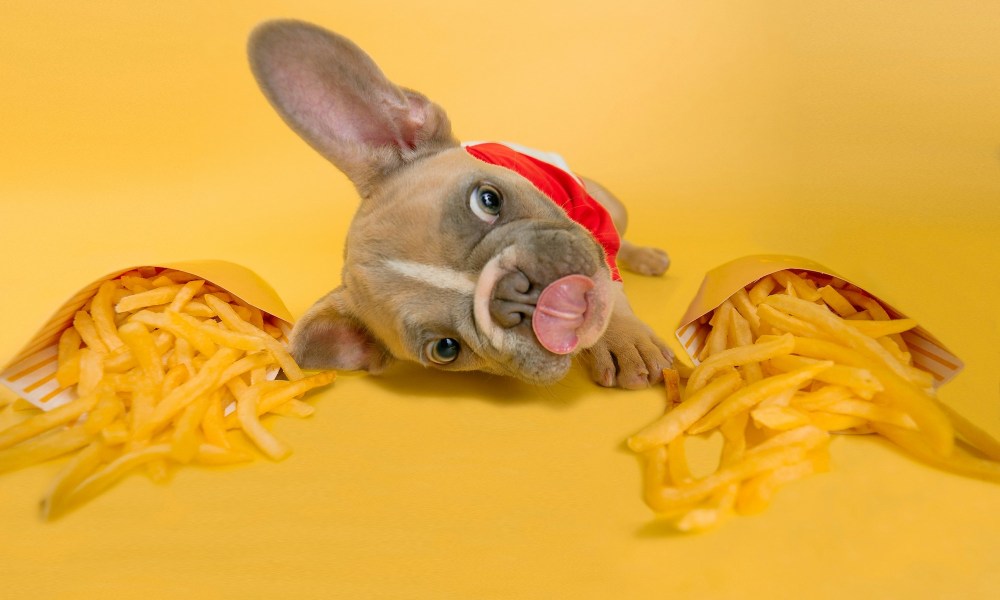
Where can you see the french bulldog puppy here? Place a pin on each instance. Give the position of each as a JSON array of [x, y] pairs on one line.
[[459, 257]]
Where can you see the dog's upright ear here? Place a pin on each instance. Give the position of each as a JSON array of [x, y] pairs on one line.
[[337, 99], [328, 337]]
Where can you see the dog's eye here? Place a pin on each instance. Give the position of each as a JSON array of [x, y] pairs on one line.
[[443, 351], [485, 202]]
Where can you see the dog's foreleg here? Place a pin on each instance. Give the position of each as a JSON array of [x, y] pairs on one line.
[[644, 260]]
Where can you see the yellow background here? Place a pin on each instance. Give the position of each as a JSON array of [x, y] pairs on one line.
[[862, 135]]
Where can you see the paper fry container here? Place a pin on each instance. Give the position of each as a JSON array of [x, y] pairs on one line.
[[32, 372], [928, 353]]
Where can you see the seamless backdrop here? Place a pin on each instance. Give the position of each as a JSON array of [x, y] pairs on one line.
[[864, 136]]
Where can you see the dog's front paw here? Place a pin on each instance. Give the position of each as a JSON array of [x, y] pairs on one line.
[[629, 355], [643, 260]]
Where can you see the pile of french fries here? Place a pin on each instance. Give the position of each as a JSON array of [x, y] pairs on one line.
[[163, 365], [790, 359]]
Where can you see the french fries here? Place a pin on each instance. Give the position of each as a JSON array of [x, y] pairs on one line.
[[157, 359], [789, 360]]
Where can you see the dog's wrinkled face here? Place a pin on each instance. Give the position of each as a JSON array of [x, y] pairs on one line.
[[449, 261]]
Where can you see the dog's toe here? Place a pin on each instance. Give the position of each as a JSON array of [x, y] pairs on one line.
[[601, 364], [631, 363]]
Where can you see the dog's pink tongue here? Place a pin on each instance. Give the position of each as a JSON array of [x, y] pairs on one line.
[[559, 313]]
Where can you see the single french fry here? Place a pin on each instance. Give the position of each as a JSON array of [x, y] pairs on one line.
[[246, 411], [787, 323], [116, 433], [294, 408], [76, 470], [834, 422], [672, 424], [215, 455], [717, 340], [676, 460], [256, 316], [43, 447], [135, 283], [68, 371], [286, 392], [712, 513], [822, 397], [176, 376], [84, 325], [183, 354], [779, 417], [836, 301], [45, 421], [104, 315], [973, 435], [213, 424], [672, 384], [746, 309], [655, 475], [157, 469], [871, 412], [246, 364], [185, 439], [740, 335], [807, 435], [761, 289], [876, 329], [91, 372], [153, 297], [734, 445], [143, 348], [920, 448], [188, 291], [178, 276], [109, 474], [243, 312], [198, 309], [783, 399]]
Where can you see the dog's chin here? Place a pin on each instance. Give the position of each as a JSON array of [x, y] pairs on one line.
[[535, 369]]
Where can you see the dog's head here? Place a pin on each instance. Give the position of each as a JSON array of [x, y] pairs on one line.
[[450, 261]]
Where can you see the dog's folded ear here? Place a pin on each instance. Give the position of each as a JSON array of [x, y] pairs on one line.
[[335, 96], [327, 337]]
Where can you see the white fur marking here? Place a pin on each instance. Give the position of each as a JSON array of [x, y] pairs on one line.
[[502, 263], [439, 277]]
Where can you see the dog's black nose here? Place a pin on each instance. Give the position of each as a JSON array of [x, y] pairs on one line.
[[513, 300]]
